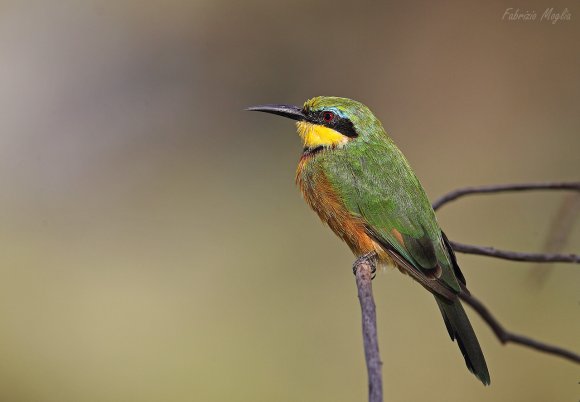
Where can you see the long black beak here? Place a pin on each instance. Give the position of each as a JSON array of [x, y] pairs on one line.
[[292, 112]]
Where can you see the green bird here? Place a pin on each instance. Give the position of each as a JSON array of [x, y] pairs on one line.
[[360, 184]]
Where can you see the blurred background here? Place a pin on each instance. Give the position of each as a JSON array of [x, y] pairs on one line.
[[154, 246]]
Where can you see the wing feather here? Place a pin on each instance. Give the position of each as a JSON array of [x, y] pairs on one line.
[[387, 195]]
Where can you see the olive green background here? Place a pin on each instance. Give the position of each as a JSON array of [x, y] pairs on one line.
[[154, 246]]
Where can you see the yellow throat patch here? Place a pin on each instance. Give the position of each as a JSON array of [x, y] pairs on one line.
[[315, 135]]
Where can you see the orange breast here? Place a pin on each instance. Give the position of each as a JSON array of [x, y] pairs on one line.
[[320, 196]]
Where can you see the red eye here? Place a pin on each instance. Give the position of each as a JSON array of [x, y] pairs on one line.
[[328, 116]]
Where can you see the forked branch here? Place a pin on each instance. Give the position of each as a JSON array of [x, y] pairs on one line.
[[504, 188], [364, 268]]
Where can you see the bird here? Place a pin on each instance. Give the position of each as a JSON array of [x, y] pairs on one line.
[[360, 184]]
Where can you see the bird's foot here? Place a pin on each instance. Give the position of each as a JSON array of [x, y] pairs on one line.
[[368, 258]]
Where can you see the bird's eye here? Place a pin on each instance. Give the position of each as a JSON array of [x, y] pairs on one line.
[[328, 116]]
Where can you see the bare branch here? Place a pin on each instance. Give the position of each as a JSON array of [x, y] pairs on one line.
[[503, 188], [508, 255], [512, 255], [505, 336], [501, 333], [364, 267]]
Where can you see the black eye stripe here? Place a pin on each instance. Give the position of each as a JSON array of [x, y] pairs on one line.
[[345, 127], [340, 124]]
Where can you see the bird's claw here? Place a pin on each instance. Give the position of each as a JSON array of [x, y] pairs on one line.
[[369, 258]]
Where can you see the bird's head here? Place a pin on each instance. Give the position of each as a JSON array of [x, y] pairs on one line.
[[328, 121]]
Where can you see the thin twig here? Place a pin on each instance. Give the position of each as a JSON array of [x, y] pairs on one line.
[[363, 268], [502, 188], [505, 336], [513, 255]]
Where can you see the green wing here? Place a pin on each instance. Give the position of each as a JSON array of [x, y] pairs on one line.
[[376, 183]]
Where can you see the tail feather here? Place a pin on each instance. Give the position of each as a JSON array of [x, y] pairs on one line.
[[460, 329]]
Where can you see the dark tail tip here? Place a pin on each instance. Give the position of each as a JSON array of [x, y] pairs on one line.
[[460, 329]]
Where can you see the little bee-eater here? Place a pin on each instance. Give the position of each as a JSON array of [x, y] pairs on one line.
[[360, 184]]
